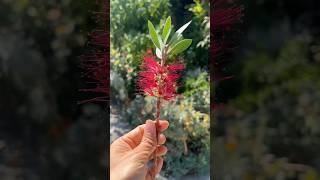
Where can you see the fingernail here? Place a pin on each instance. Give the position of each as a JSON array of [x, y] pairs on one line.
[[149, 124]]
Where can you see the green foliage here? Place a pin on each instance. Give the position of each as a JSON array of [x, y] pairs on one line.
[[268, 127], [180, 46], [198, 8], [201, 37], [178, 34], [176, 45], [166, 30], [40, 78], [154, 36], [127, 15], [274, 117], [129, 35]]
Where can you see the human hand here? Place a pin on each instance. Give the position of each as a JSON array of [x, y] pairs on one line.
[[130, 153]]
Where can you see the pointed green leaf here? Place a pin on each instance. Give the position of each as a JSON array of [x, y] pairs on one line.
[[166, 29], [181, 46], [160, 42], [175, 38], [178, 34], [153, 34], [180, 30]]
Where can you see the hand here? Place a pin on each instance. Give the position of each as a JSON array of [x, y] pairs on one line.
[[130, 153]]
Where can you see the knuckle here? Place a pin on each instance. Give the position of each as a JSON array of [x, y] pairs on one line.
[[148, 142]]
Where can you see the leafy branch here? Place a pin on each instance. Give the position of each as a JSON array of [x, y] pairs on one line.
[[177, 44]]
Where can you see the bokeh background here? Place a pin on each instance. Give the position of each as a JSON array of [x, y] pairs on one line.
[[44, 133], [188, 134], [268, 123]]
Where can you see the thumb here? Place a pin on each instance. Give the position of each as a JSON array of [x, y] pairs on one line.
[[148, 142]]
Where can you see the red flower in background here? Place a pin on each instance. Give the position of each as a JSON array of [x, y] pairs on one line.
[[224, 15], [96, 62], [159, 80], [223, 18]]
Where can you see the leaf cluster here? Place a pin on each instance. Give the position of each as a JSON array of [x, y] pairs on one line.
[[177, 44]]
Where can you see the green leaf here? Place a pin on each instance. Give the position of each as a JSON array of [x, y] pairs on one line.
[[175, 38], [180, 30], [166, 29], [181, 46], [153, 34], [160, 42], [178, 34]]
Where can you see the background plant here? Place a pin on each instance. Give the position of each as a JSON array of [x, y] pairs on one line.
[[267, 128], [44, 134]]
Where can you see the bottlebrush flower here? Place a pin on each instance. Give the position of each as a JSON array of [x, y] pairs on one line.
[[96, 63], [159, 80], [224, 15]]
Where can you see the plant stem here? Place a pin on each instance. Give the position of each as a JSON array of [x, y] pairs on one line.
[[164, 56], [158, 107]]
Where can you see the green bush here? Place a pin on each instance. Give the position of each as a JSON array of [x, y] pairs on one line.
[[274, 119]]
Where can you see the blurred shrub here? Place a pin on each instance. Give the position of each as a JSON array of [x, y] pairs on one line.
[[45, 133], [272, 128]]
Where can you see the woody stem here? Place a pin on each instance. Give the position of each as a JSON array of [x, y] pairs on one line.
[[158, 107], [164, 56]]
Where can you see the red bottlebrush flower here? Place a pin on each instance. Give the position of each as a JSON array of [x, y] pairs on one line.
[[96, 63], [223, 16], [159, 80]]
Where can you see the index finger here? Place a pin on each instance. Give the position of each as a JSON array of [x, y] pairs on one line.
[[163, 125], [133, 138]]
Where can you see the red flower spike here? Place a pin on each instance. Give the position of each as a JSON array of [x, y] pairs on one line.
[[96, 63], [159, 80], [224, 15]]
